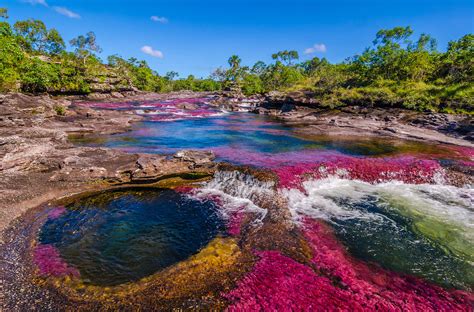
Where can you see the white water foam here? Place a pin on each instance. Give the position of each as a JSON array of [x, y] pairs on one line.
[[237, 192], [333, 198]]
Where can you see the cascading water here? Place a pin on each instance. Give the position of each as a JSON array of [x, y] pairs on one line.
[[237, 192], [424, 229], [298, 221]]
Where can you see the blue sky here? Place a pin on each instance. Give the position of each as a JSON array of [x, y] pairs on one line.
[[195, 37]]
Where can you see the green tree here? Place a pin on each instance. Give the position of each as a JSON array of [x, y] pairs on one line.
[[458, 61], [386, 59], [259, 68], [35, 37], [143, 77], [171, 75], [235, 73], [39, 76], [11, 58], [252, 84], [85, 46], [54, 43], [287, 57], [278, 76], [312, 65], [5, 28], [419, 62]]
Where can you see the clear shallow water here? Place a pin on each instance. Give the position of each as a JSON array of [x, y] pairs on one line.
[[424, 230], [122, 236], [243, 137]]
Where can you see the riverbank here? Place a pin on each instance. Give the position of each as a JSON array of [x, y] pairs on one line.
[[39, 163], [369, 120], [42, 172]]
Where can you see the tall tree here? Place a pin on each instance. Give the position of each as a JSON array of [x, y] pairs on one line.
[[286, 56], [5, 28], [35, 37], [85, 46], [458, 61], [171, 75], [258, 68]]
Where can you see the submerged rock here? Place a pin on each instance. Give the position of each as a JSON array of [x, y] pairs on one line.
[[197, 158]]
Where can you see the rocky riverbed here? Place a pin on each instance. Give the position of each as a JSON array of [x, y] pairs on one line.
[[272, 238], [370, 120], [39, 163]]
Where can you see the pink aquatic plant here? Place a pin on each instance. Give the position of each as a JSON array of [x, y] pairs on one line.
[[335, 282], [56, 212], [234, 224], [49, 262], [184, 189], [293, 168], [271, 160], [373, 170], [169, 110], [463, 151], [278, 283]]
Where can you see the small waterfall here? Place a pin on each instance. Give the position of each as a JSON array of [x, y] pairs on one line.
[[237, 192], [323, 199], [441, 213]]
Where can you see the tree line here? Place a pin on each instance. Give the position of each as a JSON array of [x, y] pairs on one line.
[[33, 58], [397, 70]]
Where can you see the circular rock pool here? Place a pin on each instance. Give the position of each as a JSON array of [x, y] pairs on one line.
[[124, 235]]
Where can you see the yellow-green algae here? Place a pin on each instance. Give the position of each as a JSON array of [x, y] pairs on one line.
[[203, 276], [450, 233]]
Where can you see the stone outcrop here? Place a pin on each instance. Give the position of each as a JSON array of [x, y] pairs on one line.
[[197, 158], [304, 107], [38, 163]]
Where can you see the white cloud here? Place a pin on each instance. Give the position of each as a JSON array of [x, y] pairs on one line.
[[159, 19], [35, 2], [66, 12], [318, 47], [149, 50]]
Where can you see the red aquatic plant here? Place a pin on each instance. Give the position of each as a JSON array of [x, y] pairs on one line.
[[49, 262], [335, 282], [462, 151], [169, 110], [184, 189], [56, 212], [373, 170], [234, 224], [278, 283]]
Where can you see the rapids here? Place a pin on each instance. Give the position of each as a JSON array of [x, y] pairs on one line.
[[386, 199], [309, 220]]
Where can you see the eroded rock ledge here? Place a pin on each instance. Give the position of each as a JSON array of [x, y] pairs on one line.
[[376, 119], [39, 164]]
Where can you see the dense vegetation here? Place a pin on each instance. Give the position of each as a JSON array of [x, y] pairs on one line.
[[34, 59], [396, 70]]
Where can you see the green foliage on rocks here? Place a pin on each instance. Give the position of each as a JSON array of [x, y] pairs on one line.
[[34, 59], [396, 71]]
